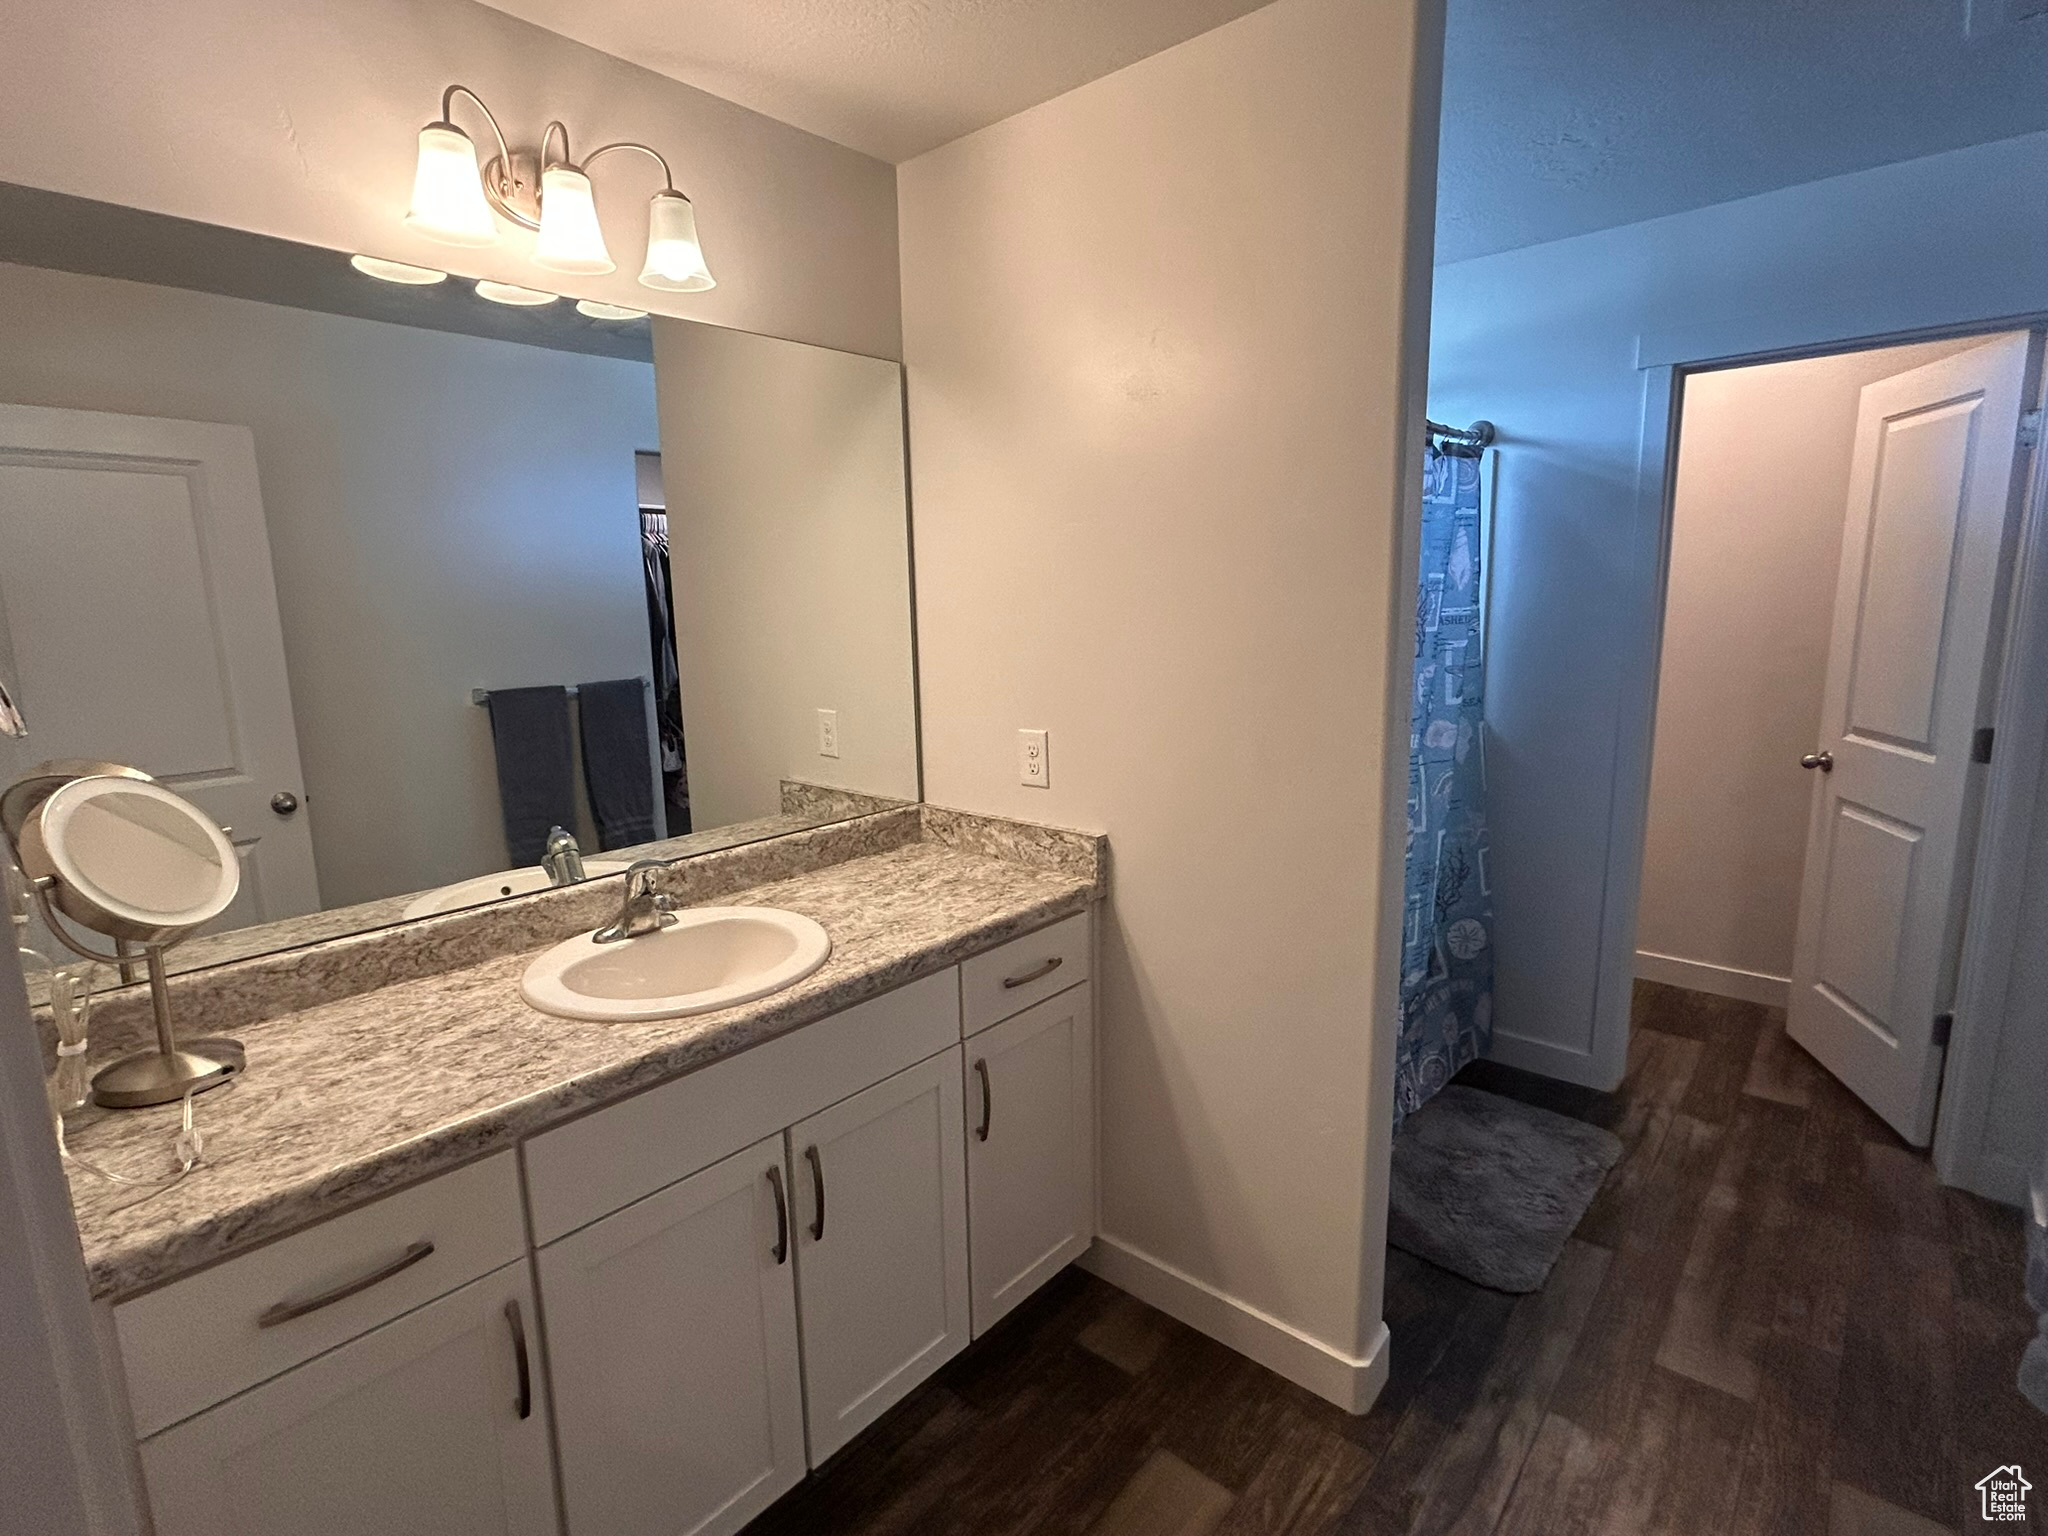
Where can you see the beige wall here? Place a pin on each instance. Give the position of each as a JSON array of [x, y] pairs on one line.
[[789, 546], [445, 513], [1161, 456], [1763, 475], [300, 121]]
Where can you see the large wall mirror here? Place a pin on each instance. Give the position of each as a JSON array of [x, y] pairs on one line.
[[392, 580]]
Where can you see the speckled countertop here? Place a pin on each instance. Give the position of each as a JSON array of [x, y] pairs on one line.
[[353, 1098]]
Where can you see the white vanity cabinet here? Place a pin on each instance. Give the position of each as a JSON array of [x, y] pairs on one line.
[[737, 1270], [673, 1338], [1030, 1099], [881, 1238]]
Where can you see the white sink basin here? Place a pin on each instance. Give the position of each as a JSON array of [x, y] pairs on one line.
[[509, 882], [706, 958]]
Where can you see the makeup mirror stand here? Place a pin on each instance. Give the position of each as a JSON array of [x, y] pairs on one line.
[[166, 1074]]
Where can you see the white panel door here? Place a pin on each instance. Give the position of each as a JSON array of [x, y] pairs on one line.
[[881, 1219], [1030, 1090], [672, 1344], [1879, 915], [139, 625], [428, 1426]]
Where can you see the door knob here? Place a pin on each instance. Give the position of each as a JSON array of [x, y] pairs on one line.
[[1824, 761], [284, 802]]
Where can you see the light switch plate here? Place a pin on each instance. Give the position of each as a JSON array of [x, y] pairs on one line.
[[828, 733], [1034, 768]]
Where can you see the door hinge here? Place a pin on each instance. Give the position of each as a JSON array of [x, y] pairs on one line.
[[1980, 748], [2030, 429], [1944, 1026]]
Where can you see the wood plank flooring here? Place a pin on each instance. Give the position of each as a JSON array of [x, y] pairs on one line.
[[1771, 1322]]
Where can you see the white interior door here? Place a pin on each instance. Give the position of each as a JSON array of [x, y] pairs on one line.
[[1879, 915], [673, 1346], [139, 625], [881, 1223]]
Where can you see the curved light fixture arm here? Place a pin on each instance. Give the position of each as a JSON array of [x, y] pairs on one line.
[[546, 135], [447, 116], [668, 176]]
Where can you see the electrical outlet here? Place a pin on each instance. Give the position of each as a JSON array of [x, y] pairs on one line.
[[828, 733], [1034, 768]]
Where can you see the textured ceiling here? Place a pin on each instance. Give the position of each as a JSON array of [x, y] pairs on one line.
[[893, 78], [1566, 116]]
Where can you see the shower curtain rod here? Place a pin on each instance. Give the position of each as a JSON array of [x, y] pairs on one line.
[[1478, 435]]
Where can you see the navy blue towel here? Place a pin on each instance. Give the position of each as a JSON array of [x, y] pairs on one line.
[[618, 760], [536, 766]]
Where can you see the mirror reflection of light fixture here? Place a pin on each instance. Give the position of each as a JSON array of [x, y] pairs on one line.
[[512, 293], [596, 309], [111, 850], [397, 271], [549, 193]]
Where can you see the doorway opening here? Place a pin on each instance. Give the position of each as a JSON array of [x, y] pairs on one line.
[[1841, 546]]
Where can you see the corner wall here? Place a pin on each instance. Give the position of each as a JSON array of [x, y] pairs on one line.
[[301, 121], [1165, 463], [1552, 343]]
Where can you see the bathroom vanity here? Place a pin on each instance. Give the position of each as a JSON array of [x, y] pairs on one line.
[[628, 1277]]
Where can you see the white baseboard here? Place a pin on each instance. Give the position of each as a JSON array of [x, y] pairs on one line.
[[1994, 1176], [1352, 1383], [1721, 980], [1547, 1060]]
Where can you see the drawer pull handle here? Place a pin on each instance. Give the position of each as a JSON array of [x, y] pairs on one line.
[[524, 1402], [285, 1311], [1037, 973], [817, 1179], [781, 1248], [988, 1110]]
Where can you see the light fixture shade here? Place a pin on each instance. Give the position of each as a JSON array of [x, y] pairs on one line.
[[512, 293], [448, 202], [397, 271], [675, 260], [570, 239]]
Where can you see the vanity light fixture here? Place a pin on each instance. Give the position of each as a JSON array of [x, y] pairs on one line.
[[397, 271], [596, 310], [548, 192], [511, 293]]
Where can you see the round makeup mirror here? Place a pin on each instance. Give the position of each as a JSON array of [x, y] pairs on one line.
[[131, 859], [112, 850]]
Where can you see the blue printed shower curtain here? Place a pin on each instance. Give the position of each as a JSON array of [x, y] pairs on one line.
[[1447, 938]]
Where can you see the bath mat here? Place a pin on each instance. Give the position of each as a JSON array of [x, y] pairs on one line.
[[1490, 1188]]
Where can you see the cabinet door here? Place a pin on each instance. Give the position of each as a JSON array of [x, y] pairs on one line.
[[1030, 1089], [881, 1219], [433, 1425], [672, 1345]]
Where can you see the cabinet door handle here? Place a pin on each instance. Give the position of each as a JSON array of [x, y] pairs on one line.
[[817, 1179], [1038, 972], [285, 1311], [781, 1248], [988, 1109], [524, 1402]]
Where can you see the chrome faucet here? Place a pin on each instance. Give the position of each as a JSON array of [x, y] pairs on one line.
[[644, 911], [562, 859], [11, 723]]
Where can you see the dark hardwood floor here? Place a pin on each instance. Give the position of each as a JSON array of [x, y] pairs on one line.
[[1772, 1320]]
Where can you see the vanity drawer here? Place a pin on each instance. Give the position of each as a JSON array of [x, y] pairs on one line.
[[203, 1339], [1023, 972], [607, 1160]]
